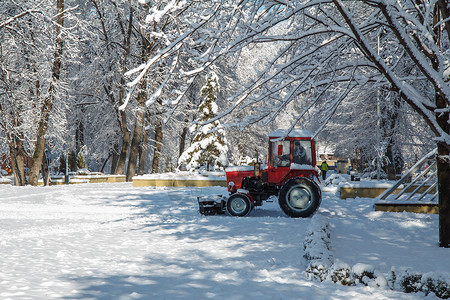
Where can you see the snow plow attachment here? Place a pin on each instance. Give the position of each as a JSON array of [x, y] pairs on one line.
[[212, 205]]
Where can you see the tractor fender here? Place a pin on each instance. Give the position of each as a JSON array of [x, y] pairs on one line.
[[243, 191]]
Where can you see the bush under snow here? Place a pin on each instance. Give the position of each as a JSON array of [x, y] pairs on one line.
[[322, 267]]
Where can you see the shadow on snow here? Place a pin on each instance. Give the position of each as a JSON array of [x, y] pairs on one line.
[[198, 257]]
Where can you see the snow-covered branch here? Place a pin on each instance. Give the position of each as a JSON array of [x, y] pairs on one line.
[[18, 16], [164, 53]]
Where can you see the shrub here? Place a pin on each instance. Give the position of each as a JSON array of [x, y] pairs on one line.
[[363, 273], [317, 270], [408, 281], [341, 273], [436, 284]]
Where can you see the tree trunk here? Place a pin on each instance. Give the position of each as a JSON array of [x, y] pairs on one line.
[[140, 115], [390, 169], [119, 166], [158, 145], [45, 170], [79, 137], [36, 160], [388, 124], [443, 159], [443, 174], [49, 99], [125, 144], [114, 158], [104, 163], [17, 155], [136, 140], [183, 140], [143, 152], [137, 133]]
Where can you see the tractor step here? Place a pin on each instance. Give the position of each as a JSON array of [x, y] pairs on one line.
[[212, 205]]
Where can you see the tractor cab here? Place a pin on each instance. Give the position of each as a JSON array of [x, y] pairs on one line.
[[290, 154]]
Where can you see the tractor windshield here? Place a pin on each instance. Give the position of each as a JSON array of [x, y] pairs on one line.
[[280, 153], [302, 153]]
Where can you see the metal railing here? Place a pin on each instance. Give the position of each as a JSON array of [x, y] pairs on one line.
[[427, 179]]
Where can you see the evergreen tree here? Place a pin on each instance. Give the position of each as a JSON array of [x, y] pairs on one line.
[[208, 149]]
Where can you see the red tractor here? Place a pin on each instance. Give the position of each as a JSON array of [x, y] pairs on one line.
[[289, 174]]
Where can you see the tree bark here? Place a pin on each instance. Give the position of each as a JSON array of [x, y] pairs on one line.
[[49, 99], [105, 162], [443, 174], [183, 140], [79, 137], [45, 170], [143, 152], [388, 125], [36, 160], [17, 154], [138, 127], [136, 139], [114, 158], [443, 158], [119, 168], [144, 145], [158, 145]]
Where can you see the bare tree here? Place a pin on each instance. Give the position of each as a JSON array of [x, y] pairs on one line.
[[50, 97], [29, 94]]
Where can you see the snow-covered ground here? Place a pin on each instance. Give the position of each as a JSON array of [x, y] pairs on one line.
[[115, 241]]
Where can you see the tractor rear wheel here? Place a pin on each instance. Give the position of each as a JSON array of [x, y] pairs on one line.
[[300, 197], [239, 205]]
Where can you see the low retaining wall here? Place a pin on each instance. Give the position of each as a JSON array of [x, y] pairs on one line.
[[61, 181], [77, 179], [354, 191], [420, 208], [363, 192], [177, 180], [103, 178]]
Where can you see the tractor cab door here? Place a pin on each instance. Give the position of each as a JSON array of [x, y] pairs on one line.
[[280, 154], [280, 160]]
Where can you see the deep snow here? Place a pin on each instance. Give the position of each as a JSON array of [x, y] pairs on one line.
[[115, 241]]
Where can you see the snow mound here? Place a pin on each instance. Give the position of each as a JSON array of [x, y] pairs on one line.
[[316, 247], [335, 180]]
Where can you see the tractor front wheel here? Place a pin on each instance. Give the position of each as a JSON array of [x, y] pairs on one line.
[[239, 205], [300, 197]]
